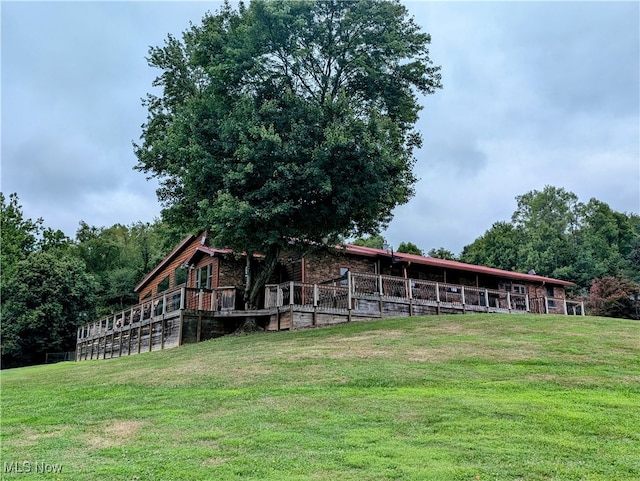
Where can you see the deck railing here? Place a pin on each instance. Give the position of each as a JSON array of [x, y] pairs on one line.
[[219, 299], [301, 294], [340, 294]]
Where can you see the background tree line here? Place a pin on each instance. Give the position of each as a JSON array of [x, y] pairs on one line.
[[554, 234], [51, 284]]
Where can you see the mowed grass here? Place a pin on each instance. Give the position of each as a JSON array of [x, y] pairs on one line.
[[474, 397]]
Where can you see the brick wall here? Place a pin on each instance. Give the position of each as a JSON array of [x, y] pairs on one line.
[[319, 267]]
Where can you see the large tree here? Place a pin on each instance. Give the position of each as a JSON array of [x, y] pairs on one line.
[[287, 120]]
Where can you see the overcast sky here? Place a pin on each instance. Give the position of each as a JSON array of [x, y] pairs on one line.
[[534, 94]]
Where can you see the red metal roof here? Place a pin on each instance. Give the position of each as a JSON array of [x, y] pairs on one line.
[[446, 264], [367, 252]]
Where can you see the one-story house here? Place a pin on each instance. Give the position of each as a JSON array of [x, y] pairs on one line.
[[197, 292]]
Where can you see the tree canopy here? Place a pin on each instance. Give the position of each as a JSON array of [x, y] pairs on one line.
[[51, 284], [287, 120], [554, 234], [410, 248]]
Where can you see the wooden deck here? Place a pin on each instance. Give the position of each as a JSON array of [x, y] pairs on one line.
[[186, 315]]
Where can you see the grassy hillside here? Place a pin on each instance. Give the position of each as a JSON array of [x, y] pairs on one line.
[[476, 397]]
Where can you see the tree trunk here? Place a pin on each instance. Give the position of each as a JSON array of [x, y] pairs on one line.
[[255, 283]]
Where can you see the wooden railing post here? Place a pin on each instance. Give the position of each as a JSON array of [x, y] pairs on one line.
[[200, 295], [183, 297], [349, 293], [526, 302], [509, 300], [565, 307], [546, 305], [315, 295], [464, 302], [291, 293]]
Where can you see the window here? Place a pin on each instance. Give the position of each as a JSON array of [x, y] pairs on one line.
[[550, 292], [180, 276], [515, 288], [344, 273], [163, 285], [204, 277], [551, 303]]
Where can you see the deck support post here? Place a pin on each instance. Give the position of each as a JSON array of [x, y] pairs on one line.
[[509, 301], [464, 302], [349, 294], [546, 305], [314, 321], [291, 293], [437, 298], [129, 340]]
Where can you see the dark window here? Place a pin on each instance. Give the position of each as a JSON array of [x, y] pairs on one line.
[[549, 291], [163, 285], [181, 276], [204, 277], [344, 280]]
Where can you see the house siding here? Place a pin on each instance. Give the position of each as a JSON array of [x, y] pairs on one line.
[[324, 266], [151, 288]]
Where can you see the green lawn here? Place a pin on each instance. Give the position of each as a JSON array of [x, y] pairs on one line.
[[475, 397]]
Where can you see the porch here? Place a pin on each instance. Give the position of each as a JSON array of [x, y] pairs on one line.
[[185, 315], [366, 296]]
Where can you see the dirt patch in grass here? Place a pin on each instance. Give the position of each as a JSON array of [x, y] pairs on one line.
[[113, 433], [31, 437]]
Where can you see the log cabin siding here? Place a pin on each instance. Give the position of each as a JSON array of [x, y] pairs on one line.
[[169, 266]]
